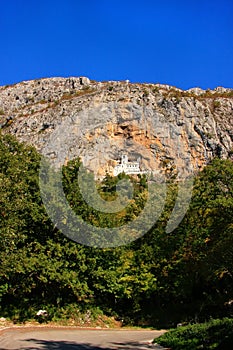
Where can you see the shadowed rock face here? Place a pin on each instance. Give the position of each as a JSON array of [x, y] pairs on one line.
[[171, 130]]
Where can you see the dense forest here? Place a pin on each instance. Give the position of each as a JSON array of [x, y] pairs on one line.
[[159, 279]]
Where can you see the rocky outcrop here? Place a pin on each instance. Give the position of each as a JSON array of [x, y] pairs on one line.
[[174, 132]]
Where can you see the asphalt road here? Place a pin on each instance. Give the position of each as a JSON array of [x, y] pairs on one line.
[[78, 339]]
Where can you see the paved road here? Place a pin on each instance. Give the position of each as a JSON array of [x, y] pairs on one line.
[[78, 339]]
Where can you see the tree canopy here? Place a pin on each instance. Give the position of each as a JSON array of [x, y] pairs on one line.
[[159, 278]]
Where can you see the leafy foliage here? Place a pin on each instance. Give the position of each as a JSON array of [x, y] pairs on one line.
[[160, 279], [215, 334]]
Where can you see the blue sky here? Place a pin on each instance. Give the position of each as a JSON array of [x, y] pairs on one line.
[[181, 43]]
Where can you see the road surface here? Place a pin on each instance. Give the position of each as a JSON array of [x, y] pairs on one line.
[[78, 339]]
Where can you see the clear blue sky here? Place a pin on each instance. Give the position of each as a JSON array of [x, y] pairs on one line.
[[181, 43]]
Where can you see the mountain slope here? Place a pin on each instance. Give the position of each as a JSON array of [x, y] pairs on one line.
[[174, 132]]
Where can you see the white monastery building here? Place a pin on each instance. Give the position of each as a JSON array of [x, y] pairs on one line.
[[127, 167]]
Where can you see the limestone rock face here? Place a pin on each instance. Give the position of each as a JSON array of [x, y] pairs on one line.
[[172, 131]]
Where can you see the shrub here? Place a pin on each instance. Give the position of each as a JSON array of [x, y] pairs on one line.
[[215, 334], [217, 104]]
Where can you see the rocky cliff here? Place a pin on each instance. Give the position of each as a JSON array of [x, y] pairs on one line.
[[172, 131]]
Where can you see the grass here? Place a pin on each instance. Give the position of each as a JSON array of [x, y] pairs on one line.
[[215, 334]]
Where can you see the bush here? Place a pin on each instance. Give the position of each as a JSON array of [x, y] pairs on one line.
[[215, 334]]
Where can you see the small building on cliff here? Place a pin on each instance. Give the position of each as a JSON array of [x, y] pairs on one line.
[[127, 167]]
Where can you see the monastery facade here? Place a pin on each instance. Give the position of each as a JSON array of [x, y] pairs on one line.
[[129, 168]]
